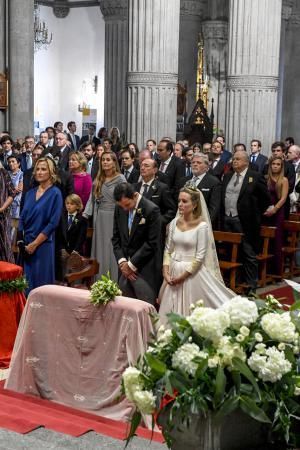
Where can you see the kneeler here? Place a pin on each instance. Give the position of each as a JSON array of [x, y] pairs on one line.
[[11, 308]]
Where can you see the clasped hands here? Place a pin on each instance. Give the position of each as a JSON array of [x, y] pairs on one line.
[[127, 272], [174, 281], [31, 248]]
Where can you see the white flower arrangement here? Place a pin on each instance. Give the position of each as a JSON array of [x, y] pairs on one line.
[[244, 355], [104, 290]]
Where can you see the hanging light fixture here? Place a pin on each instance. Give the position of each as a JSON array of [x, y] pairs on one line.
[[41, 33]]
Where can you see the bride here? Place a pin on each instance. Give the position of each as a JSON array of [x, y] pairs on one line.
[[190, 268]]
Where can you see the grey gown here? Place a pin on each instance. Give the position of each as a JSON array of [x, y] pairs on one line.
[[102, 211]]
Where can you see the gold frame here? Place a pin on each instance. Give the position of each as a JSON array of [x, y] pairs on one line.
[[3, 91]]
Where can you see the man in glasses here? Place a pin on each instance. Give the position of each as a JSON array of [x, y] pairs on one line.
[[130, 172]]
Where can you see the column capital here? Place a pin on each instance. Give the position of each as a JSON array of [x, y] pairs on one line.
[[287, 7], [252, 82], [152, 79], [61, 8], [215, 29], [114, 9], [193, 7]]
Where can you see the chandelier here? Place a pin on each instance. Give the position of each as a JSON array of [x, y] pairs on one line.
[[41, 34]]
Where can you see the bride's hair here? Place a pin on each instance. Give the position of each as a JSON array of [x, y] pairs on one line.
[[195, 197]]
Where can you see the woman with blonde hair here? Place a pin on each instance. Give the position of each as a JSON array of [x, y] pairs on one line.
[[278, 186], [101, 206], [190, 267], [38, 221], [82, 180]]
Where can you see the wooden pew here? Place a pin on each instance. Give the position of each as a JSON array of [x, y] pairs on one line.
[[266, 233], [230, 266]]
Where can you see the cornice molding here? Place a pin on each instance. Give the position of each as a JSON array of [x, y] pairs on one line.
[[257, 82], [152, 79]]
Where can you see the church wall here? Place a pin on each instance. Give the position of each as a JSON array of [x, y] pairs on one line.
[[75, 54]]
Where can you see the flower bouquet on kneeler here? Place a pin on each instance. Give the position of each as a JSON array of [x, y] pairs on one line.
[[222, 379]]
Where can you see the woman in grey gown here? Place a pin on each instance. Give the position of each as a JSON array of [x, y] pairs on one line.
[[101, 206]]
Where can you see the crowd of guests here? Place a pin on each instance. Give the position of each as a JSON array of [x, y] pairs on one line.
[[52, 190]]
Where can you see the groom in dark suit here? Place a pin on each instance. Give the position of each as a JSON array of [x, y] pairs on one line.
[[137, 243]]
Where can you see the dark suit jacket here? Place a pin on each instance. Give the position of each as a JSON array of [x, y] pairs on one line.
[[63, 162], [211, 188], [226, 156], [23, 162], [261, 161], [85, 138], [160, 195], [95, 168], [174, 172], [253, 201], [74, 237], [77, 139], [133, 177], [143, 245], [218, 171]]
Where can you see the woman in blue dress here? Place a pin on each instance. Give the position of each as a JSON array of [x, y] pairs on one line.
[[39, 219]]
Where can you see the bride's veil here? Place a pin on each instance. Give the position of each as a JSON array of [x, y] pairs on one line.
[[211, 261]]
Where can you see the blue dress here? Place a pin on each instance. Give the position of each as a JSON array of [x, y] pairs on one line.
[[41, 216]]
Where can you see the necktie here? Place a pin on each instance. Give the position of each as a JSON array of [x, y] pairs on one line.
[[130, 219], [195, 180], [146, 187], [162, 167], [28, 161], [126, 174], [188, 171], [70, 220], [237, 180], [253, 158]]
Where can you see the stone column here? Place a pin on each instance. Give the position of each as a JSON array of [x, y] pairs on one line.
[[116, 62], [215, 35], [191, 14], [21, 60], [2, 54], [153, 69], [252, 84], [287, 6]]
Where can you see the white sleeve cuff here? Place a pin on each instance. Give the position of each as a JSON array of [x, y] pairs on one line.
[[132, 267], [122, 260]]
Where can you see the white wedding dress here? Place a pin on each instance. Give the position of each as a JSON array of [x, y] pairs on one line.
[[193, 251]]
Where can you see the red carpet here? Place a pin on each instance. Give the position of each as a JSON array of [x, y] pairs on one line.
[[23, 413], [284, 294]]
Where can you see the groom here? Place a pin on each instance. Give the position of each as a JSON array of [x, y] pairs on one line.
[[137, 243]]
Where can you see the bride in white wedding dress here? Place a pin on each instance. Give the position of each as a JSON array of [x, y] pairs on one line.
[[190, 268]]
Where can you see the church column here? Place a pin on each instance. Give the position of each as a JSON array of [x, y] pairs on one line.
[[3, 16], [215, 35], [21, 60], [287, 6], [153, 69], [116, 62], [191, 14], [252, 83]]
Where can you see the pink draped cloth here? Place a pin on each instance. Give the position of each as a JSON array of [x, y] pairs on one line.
[[72, 352]]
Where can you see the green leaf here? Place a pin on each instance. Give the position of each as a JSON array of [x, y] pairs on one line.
[[227, 407], [179, 383], [250, 407], [236, 378], [155, 364], [239, 365], [220, 386], [135, 421], [295, 306]]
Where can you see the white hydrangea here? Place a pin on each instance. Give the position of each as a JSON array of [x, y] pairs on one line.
[[260, 348], [164, 338], [271, 366], [145, 401], [241, 311], [209, 323], [184, 355], [279, 327], [132, 382], [213, 362], [226, 351]]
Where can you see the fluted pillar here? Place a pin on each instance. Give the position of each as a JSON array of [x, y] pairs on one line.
[[191, 14], [116, 62], [2, 54], [252, 84], [215, 35], [21, 60], [153, 69]]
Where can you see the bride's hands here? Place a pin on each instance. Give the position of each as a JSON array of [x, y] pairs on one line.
[[166, 275], [180, 279]]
